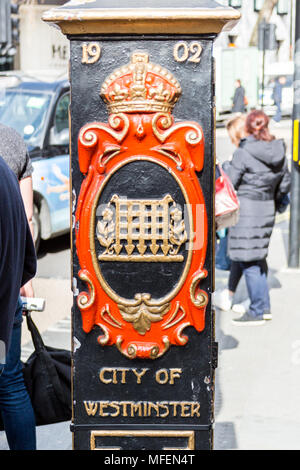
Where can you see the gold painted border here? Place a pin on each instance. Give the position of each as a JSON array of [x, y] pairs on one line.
[[190, 435], [111, 293], [143, 21]]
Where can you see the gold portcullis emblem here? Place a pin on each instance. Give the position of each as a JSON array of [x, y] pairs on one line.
[[141, 230]]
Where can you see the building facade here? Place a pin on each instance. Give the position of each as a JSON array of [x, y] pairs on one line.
[[282, 17]]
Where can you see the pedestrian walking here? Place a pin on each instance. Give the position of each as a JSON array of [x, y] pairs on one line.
[[224, 298], [277, 96], [17, 267], [16, 409], [238, 100], [260, 174]]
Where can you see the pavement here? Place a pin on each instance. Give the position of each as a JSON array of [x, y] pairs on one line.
[[258, 376]]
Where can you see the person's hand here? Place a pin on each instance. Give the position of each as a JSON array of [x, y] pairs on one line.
[[27, 290]]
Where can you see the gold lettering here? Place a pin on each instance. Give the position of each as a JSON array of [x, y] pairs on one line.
[[114, 404], [136, 407], [101, 375], [195, 409], [185, 408], [165, 406], [91, 407], [103, 404], [196, 49], [175, 404], [174, 374], [90, 53], [124, 404], [139, 375], [114, 381], [158, 375], [155, 406], [123, 375], [182, 50], [181, 56]]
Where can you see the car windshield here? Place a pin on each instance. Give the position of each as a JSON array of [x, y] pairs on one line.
[[25, 111]]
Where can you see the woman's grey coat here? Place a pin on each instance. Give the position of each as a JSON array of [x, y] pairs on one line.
[[259, 173]]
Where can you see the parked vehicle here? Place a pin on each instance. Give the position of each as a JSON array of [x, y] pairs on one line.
[[38, 111]]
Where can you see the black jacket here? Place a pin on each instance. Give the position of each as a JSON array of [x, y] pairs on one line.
[[259, 173], [17, 253]]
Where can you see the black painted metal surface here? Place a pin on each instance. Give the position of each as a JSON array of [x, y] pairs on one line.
[[196, 357]]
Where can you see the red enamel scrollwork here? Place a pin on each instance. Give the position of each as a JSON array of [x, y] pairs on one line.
[[114, 229]]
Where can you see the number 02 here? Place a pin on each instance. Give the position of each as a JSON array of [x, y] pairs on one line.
[[187, 52]]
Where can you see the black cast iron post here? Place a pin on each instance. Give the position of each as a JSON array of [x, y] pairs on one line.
[[142, 162]]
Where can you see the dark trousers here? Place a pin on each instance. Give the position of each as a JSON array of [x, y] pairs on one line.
[[235, 275], [255, 273], [15, 405]]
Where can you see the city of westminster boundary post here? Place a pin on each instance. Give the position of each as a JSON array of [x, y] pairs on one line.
[[142, 120]]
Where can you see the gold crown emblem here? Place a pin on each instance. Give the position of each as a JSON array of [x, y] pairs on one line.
[[140, 87]]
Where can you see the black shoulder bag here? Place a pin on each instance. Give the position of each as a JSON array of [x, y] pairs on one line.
[[47, 375]]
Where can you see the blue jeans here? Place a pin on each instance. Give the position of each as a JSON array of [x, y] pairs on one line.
[[222, 260], [15, 405], [255, 273], [277, 116]]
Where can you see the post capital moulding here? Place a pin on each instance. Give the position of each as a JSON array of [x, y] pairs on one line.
[[81, 17]]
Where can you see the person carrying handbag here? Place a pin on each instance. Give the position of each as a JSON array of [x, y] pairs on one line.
[[16, 409], [226, 214], [223, 298], [17, 267], [259, 172]]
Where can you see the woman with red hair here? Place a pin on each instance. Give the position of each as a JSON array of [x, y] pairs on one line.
[[260, 174]]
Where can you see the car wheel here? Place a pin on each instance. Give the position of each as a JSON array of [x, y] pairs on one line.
[[36, 227]]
